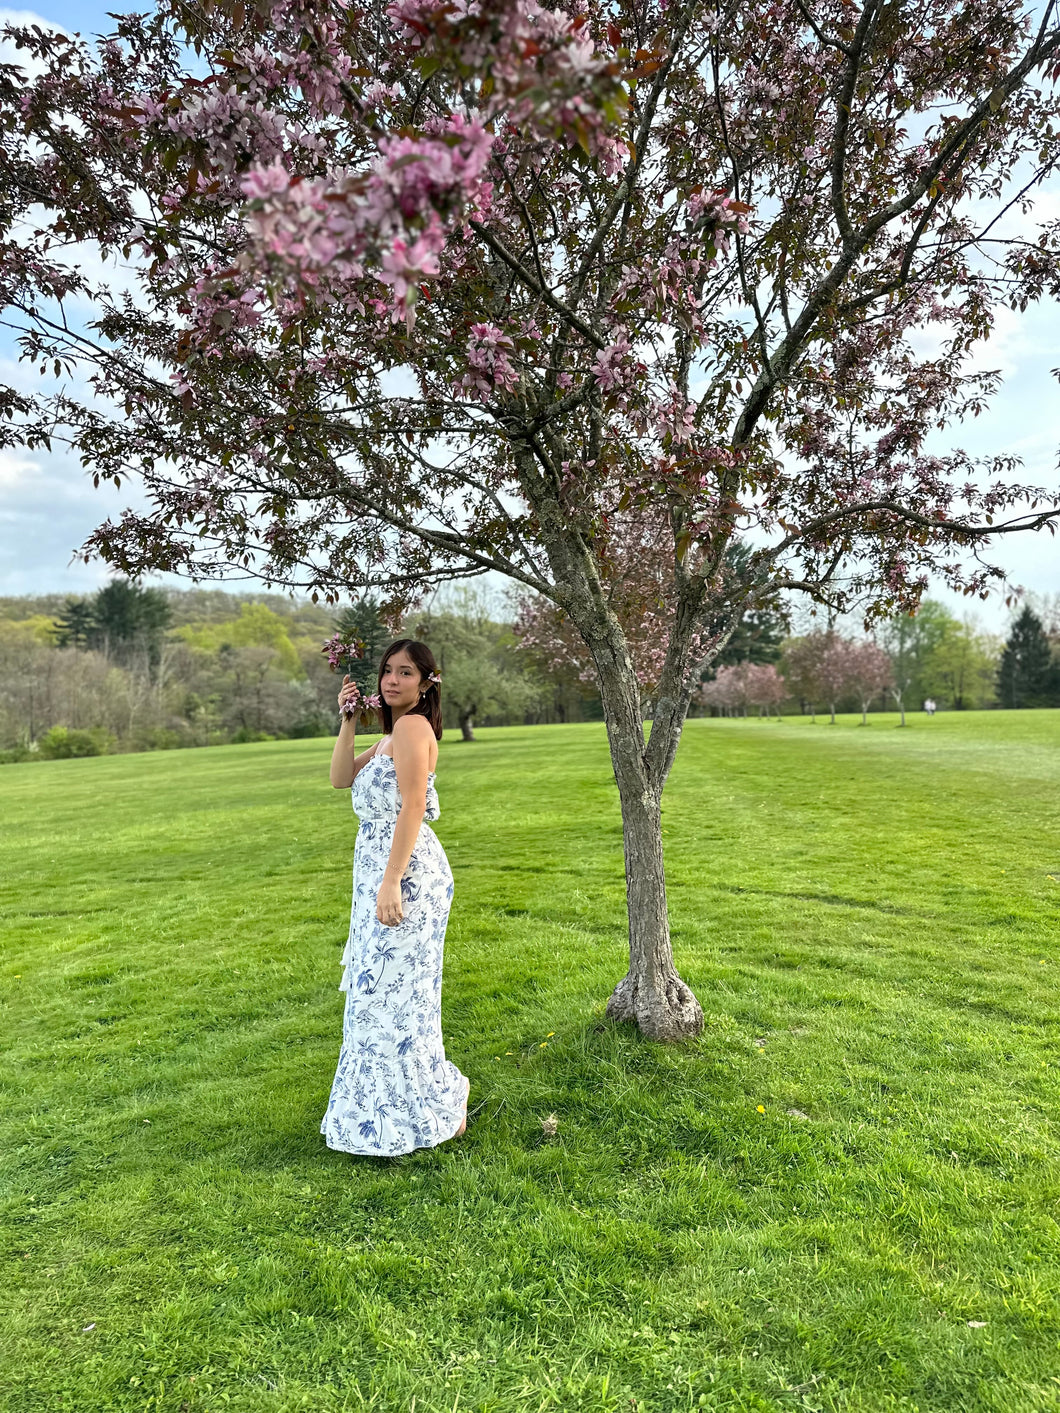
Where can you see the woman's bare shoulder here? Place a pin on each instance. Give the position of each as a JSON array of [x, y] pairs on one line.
[[410, 725]]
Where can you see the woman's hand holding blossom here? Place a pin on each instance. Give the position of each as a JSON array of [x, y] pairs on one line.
[[349, 696]]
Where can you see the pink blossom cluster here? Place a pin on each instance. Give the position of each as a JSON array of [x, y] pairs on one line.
[[617, 370], [689, 479], [227, 124], [503, 40], [314, 57], [357, 704], [489, 368], [340, 653], [672, 285], [326, 228], [719, 213], [544, 74], [223, 311], [675, 416]]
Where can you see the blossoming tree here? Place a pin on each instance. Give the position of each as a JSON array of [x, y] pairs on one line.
[[871, 675], [434, 289], [741, 685]]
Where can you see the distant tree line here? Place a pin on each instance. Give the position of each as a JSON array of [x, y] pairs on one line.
[[930, 656], [135, 668], [122, 620]]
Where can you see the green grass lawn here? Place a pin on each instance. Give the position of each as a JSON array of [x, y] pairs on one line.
[[842, 1197]]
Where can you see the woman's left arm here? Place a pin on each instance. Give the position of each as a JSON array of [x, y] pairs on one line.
[[412, 755]]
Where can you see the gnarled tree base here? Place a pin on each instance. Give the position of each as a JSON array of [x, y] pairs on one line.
[[662, 1009]]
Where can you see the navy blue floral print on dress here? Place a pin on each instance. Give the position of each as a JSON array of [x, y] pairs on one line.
[[394, 1089]]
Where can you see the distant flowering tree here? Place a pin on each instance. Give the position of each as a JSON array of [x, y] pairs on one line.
[[836, 669], [800, 663], [435, 289], [740, 685], [768, 690], [726, 691], [819, 667], [826, 667], [871, 674]]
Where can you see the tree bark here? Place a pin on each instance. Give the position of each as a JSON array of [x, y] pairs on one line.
[[467, 730], [651, 994]]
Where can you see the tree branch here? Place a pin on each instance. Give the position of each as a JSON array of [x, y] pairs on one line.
[[532, 283]]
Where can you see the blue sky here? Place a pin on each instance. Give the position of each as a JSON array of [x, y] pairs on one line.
[[48, 504]]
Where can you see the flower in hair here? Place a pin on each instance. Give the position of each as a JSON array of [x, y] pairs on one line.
[[436, 678]]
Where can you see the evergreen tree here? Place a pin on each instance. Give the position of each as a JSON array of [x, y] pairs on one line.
[[759, 632], [75, 627], [129, 619], [1027, 675], [756, 638], [362, 621]]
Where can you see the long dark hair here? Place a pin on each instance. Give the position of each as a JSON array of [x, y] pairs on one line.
[[430, 704]]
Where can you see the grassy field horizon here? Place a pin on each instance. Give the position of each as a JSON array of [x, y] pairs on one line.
[[843, 1196]]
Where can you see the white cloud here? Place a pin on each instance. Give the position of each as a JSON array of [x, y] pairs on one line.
[[48, 507], [24, 18]]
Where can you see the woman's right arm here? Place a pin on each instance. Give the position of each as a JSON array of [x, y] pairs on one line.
[[345, 763]]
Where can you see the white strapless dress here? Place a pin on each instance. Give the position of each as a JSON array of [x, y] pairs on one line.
[[394, 1090]]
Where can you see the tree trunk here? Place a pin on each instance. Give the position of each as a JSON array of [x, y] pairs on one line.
[[467, 722], [651, 994]]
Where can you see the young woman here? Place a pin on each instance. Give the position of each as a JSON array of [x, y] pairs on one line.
[[394, 1090]]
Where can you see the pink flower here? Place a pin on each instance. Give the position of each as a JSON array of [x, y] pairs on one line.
[[488, 363], [405, 265], [608, 368]]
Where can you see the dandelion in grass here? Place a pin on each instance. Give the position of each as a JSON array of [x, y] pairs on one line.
[[760, 1109]]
